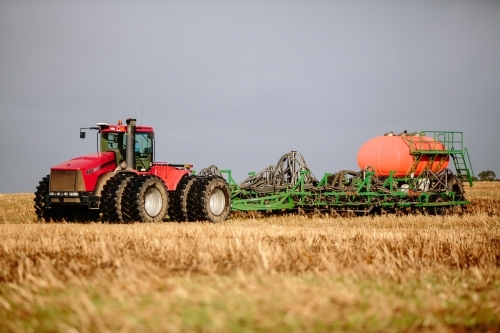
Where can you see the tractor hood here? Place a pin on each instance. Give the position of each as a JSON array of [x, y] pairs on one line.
[[84, 170], [87, 163]]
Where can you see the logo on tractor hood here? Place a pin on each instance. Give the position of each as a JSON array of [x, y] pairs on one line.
[[97, 168]]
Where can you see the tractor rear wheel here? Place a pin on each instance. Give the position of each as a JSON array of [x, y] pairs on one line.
[[177, 208], [210, 200], [145, 199], [111, 197]]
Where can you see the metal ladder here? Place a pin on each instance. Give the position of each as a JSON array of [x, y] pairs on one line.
[[464, 169]]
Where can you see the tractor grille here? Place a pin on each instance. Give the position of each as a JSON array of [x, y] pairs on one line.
[[61, 180]]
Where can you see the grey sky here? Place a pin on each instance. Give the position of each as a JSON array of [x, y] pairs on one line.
[[239, 83]]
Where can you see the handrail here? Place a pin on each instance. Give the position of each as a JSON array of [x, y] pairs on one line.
[[445, 141]]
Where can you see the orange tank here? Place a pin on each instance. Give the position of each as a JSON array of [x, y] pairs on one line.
[[391, 152]]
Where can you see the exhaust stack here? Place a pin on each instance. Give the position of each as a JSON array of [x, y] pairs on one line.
[[129, 157]]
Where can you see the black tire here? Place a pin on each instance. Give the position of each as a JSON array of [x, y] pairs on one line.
[[145, 199], [439, 210], [177, 208], [43, 212], [111, 197], [457, 187], [210, 200]]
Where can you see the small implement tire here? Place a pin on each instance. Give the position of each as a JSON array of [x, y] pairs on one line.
[[111, 197], [457, 187], [210, 200], [177, 208], [439, 210], [144, 199]]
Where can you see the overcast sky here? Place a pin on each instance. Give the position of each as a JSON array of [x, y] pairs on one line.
[[240, 83]]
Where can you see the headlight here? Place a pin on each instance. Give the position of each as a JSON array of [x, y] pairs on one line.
[[63, 194]]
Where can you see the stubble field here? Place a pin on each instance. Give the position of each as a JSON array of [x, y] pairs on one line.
[[273, 274]]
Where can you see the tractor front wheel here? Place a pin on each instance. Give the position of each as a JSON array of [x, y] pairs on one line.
[[177, 210], [44, 213], [111, 197], [145, 199]]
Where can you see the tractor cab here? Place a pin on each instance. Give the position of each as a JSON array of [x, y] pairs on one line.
[[114, 138]]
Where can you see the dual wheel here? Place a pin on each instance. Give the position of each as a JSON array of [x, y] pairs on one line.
[[209, 199], [206, 198], [145, 198], [127, 197]]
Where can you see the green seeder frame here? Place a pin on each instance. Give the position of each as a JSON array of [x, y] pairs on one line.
[[364, 192], [362, 200]]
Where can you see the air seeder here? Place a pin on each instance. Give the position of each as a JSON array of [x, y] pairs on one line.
[[122, 182], [400, 173]]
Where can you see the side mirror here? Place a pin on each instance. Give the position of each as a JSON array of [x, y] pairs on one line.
[[82, 133]]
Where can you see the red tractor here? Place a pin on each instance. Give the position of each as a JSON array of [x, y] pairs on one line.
[[123, 183]]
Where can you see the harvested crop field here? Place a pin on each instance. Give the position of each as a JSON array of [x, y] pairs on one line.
[[267, 274]]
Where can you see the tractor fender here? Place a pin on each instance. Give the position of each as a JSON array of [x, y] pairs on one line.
[[170, 175], [101, 181], [174, 178]]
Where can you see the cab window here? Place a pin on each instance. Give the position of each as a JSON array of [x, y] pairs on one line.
[[143, 151], [115, 142]]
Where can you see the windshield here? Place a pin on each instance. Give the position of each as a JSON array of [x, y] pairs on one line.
[[117, 143]]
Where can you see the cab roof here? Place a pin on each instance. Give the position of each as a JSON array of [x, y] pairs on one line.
[[122, 129]]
